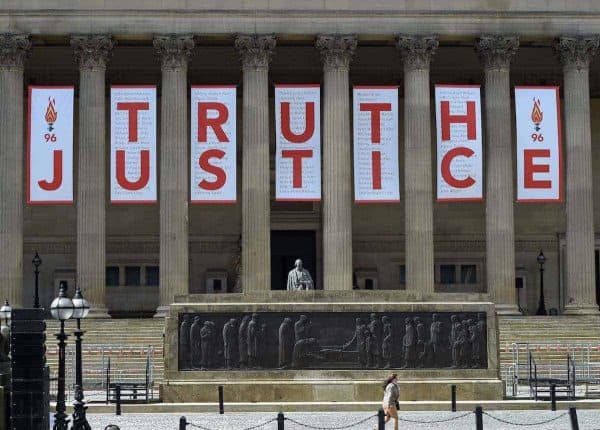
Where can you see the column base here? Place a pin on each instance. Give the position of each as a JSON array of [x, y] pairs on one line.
[[584, 309], [506, 309], [98, 313], [162, 311]]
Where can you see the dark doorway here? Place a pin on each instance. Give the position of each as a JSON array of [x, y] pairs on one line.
[[286, 247]]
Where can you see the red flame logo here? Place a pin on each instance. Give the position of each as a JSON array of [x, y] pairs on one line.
[[537, 115], [51, 114]]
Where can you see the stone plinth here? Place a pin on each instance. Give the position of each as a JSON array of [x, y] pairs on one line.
[[316, 383]]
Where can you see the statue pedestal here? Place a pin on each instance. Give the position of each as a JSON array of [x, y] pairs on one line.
[[336, 346]]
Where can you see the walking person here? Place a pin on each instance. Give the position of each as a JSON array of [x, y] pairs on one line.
[[390, 399]]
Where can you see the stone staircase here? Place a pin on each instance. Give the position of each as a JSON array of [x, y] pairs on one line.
[[125, 341], [551, 339]]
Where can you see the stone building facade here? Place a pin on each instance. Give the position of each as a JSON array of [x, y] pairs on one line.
[[133, 259]]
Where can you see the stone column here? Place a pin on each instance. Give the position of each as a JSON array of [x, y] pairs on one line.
[[336, 54], [255, 54], [417, 52], [575, 54], [92, 53], [174, 52], [496, 53], [14, 48]]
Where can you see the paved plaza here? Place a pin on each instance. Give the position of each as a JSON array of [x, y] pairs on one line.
[[588, 420]]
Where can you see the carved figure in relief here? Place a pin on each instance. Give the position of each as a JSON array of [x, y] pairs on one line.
[[206, 337], [386, 346], [375, 341], [243, 341], [196, 342], [299, 278], [409, 343], [306, 348], [435, 340], [286, 343], [361, 337], [253, 340], [230, 337], [421, 347], [184, 342]]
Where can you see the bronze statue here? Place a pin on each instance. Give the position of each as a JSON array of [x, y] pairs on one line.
[[184, 342], [243, 341], [253, 341], [196, 343], [286, 343], [386, 346], [230, 337]]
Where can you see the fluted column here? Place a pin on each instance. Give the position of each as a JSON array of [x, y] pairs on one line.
[[14, 48], [496, 52], [336, 54], [92, 53], [417, 52], [174, 52], [575, 53], [255, 54]]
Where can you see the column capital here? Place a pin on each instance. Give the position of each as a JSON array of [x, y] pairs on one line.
[[14, 49], [496, 51], [174, 50], [255, 50], [92, 51], [336, 50], [416, 51], [577, 51]]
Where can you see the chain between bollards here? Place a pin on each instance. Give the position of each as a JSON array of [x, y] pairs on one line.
[[221, 408]]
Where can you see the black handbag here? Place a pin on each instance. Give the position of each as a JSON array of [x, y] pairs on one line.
[[397, 405]]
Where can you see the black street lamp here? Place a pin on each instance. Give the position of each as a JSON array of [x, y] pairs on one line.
[[61, 309], [81, 310], [37, 262], [541, 310]]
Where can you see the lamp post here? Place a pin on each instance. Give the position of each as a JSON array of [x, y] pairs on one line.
[[81, 309], [61, 309], [541, 310], [37, 262]]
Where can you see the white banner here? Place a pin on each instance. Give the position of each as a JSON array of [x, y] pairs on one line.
[[298, 142], [539, 159], [376, 172], [133, 144], [50, 145], [213, 146], [459, 148]]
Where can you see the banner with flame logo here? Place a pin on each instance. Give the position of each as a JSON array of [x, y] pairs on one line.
[[539, 157], [133, 144], [50, 145]]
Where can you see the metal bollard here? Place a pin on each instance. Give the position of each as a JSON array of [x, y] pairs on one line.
[[553, 396], [453, 389], [380, 420], [221, 409], [182, 423], [574, 422], [280, 421], [118, 399], [479, 418]]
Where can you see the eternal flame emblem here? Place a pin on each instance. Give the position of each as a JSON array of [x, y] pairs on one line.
[[537, 115], [51, 114]]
